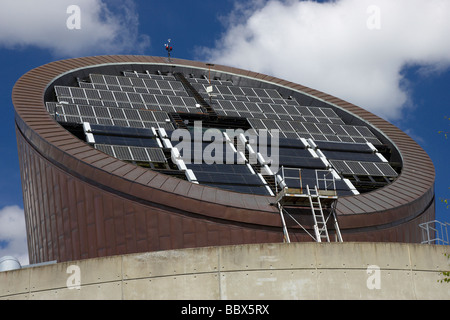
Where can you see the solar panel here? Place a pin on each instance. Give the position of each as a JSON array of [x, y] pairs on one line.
[[248, 92], [284, 126], [351, 147], [106, 95], [351, 130], [135, 97], [103, 121], [189, 101], [132, 114], [372, 169], [329, 113], [92, 94], [139, 154], [258, 190], [338, 129], [111, 80], [341, 166], [261, 93], [299, 162], [70, 119], [236, 91], [149, 99], [324, 128], [62, 91], [228, 178], [150, 83], [105, 148], [311, 128], [356, 168], [256, 124], [373, 141], [386, 169], [120, 96], [86, 111], [156, 155], [332, 138], [122, 152], [97, 78], [317, 112], [364, 168], [147, 115], [272, 93], [304, 111], [71, 109], [346, 139], [117, 113]]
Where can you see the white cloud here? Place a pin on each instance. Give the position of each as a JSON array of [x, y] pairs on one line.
[[13, 240], [106, 27], [329, 46]]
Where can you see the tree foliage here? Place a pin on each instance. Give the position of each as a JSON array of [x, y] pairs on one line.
[[445, 133], [446, 274]]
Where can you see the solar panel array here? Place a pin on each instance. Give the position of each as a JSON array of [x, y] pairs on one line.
[[133, 153], [112, 116], [128, 116], [267, 109]]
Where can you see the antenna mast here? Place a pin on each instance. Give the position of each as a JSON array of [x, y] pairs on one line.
[[169, 48]]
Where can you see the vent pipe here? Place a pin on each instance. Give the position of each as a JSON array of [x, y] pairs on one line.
[[9, 263]]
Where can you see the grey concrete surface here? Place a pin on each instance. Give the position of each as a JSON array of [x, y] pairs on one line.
[[324, 271]]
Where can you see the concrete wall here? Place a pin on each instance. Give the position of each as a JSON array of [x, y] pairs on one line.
[[266, 271]]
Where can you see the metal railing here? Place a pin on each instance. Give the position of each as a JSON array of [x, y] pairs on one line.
[[325, 179], [435, 232]]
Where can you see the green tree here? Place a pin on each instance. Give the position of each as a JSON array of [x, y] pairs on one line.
[[446, 274], [445, 133]]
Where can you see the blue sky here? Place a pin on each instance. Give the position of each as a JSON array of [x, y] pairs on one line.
[[390, 57]]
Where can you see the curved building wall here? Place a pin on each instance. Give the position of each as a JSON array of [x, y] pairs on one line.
[[296, 271], [81, 203]]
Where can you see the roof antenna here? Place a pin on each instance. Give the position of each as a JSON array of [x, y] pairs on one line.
[[169, 48]]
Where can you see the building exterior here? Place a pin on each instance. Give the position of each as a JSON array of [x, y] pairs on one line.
[[129, 154]]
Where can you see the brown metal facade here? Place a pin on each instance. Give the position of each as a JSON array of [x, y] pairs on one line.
[[81, 203]]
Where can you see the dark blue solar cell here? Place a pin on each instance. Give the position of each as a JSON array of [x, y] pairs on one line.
[[228, 178], [125, 141], [294, 152], [297, 162], [227, 168], [282, 143], [258, 190], [340, 146], [121, 131], [352, 156]]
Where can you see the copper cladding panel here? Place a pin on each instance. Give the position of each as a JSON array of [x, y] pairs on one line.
[[80, 203]]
